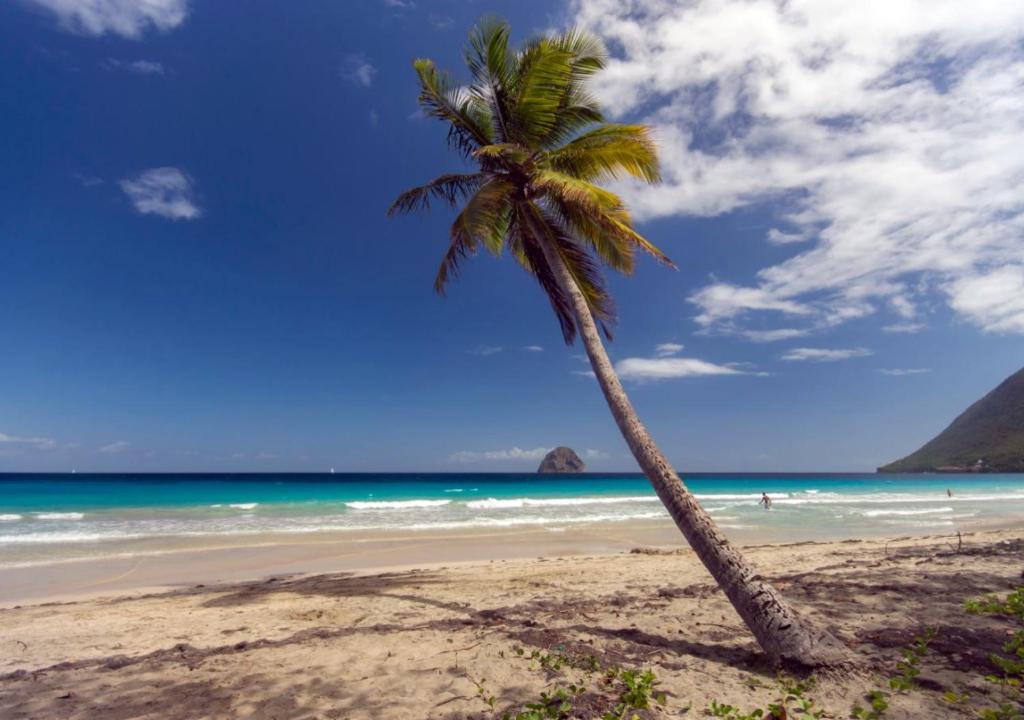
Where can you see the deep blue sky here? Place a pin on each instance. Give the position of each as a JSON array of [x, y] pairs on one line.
[[292, 326]]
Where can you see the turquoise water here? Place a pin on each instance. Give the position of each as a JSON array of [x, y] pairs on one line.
[[58, 515]]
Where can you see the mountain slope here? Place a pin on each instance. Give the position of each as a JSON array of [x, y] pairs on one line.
[[987, 437]]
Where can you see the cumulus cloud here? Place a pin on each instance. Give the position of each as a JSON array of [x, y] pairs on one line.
[[994, 299], [899, 372], [515, 453], [591, 454], [886, 135], [127, 18], [114, 448], [163, 191], [358, 70], [824, 354]]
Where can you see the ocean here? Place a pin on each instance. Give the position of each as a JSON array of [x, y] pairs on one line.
[[59, 517]]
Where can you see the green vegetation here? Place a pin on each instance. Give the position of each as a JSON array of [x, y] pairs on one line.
[[990, 431], [792, 704], [624, 690], [630, 693], [1010, 676], [910, 666]]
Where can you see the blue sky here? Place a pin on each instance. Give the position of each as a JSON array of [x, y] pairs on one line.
[[197, 272]]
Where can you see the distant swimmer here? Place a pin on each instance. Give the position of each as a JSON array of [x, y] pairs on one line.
[[949, 493], [765, 500]]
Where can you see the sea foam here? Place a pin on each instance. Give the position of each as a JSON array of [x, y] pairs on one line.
[[512, 503], [395, 504]]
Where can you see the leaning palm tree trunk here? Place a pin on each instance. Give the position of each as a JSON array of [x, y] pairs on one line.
[[786, 638]]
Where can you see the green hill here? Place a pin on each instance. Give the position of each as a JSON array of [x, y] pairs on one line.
[[987, 437]]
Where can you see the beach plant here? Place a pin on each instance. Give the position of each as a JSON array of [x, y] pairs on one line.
[[910, 666], [638, 693], [793, 703], [878, 704], [633, 690], [539, 151], [1009, 666]]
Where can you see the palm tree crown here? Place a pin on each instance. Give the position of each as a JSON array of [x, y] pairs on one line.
[[541, 147]]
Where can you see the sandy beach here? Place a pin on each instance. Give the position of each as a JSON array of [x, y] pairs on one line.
[[293, 640]]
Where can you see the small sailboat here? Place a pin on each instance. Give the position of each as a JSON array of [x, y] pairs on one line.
[[332, 469]]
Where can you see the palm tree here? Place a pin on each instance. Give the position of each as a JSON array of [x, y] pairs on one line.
[[539, 147]]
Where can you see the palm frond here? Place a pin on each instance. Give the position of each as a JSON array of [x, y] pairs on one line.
[[469, 123], [525, 244], [447, 188], [610, 151], [483, 220], [492, 65], [503, 155], [544, 228], [595, 213], [543, 74]]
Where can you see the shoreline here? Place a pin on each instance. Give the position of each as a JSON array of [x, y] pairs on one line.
[[161, 567]]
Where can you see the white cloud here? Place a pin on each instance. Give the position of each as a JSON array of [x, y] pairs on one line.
[[667, 349], [163, 191], [139, 67], [777, 237], [899, 372], [266, 456], [486, 350], [824, 354], [664, 368], [904, 327], [114, 448], [994, 300], [765, 336], [515, 453], [533, 348], [886, 134], [128, 18], [359, 70], [722, 301], [591, 454], [34, 443]]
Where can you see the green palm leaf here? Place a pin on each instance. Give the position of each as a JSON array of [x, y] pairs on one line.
[[527, 120]]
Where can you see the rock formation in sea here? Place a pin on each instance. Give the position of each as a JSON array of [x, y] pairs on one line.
[[561, 460], [987, 437]]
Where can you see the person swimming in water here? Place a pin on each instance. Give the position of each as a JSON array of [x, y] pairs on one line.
[[766, 501]]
